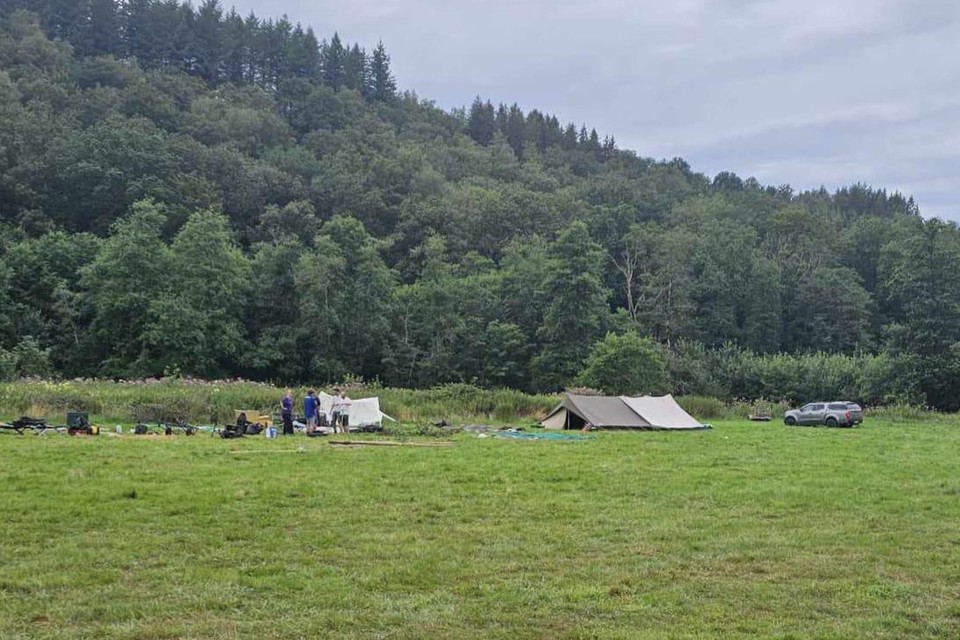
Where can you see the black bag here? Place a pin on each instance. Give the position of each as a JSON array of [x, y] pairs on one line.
[[140, 429]]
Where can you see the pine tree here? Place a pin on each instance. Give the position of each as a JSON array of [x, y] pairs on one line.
[[383, 87], [553, 132], [102, 32], [594, 142], [355, 69], [139, 40], [570, 137], [516, 130], [534, 130], [501, 119], [331, 62], [253, 32], [63, 19], [302, 55], [481, 123], [609, 148], [207, 40], [274, 40], [235, 48]]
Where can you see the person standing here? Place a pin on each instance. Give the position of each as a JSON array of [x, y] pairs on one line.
[[310, 411], [335, 411], [345, 404], [286, 413]]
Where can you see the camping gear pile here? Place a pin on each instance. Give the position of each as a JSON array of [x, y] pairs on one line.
[[248, 423], [166, 428], [78, 424]]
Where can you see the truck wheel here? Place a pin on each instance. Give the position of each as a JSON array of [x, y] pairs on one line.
[[790, 421], [832, 422]]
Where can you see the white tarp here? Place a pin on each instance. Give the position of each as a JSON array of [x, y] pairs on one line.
[[364, 411], [662, 412]]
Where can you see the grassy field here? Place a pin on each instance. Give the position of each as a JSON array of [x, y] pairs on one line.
[[748, 530]]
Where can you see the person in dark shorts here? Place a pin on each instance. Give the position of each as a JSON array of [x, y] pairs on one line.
[[310, 406]]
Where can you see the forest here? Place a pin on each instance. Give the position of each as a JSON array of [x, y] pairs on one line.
[[187, 191]]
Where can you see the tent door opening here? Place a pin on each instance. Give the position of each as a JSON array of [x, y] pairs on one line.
[[574, 422]]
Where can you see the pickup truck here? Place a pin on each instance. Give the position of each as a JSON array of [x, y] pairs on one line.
[[830, 414]]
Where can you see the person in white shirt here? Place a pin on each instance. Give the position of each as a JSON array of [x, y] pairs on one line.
[[345, 404], [335, 412]]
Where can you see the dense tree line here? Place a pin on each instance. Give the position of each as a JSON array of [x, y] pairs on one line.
[[206, 42], [184, 190]]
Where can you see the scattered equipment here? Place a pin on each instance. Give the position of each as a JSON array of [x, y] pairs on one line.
[[78, 424]]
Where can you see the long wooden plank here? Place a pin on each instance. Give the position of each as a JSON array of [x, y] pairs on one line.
[[390, 443]]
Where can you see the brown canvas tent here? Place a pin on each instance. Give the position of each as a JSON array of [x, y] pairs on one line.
[[605, 412], [602, 412]]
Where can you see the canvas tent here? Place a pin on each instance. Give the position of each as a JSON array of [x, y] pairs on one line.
[[604, 412], [363, 412]]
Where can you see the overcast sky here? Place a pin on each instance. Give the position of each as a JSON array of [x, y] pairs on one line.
[[806, 92]]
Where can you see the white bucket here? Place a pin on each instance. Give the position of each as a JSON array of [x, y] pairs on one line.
[[271, 432]]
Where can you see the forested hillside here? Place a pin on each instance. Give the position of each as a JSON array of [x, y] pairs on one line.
[[185, 190]]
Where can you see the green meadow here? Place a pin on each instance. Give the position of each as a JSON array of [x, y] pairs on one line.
[[747, 530]]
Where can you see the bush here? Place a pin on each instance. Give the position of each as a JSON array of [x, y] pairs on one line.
[[625, 364], [26, 359]]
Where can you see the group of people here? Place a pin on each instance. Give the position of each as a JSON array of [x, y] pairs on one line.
[[314, 415]]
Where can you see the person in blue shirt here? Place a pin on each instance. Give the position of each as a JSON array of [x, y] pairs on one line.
[[310, 410], [286, 413]]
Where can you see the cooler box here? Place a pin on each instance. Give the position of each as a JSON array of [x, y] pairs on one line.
[[77, 419]]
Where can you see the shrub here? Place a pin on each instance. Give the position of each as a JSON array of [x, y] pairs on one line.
[[625, 364]]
